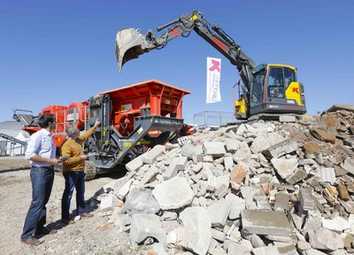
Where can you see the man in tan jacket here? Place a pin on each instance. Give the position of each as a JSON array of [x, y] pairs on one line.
[[73, 171]]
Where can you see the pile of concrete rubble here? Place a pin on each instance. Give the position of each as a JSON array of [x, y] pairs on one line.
[[262, 187]]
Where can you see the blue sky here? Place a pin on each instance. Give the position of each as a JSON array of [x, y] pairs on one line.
[[61, 52]]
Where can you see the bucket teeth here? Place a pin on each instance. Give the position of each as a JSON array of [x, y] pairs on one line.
[[130, 43]]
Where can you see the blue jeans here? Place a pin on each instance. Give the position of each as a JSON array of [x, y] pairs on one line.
[[42, 182], [73, 180]]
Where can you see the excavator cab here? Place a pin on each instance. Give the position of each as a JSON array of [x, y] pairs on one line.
[[274, 89]]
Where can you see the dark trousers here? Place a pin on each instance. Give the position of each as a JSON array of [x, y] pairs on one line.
[[42, 183], [73, 180]]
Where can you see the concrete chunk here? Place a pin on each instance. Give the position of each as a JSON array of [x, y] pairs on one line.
[[323, 135], [296, 176], [243, 152], [141, 201], [325, 239], [122, 192], [144, 226], [282, 201], [107, 201], [228, 163], [238, 174], [215, 149], [173, 193], [177, 164], [348, 165], [280, 149], [238, 249], [237, 205], [134, 164], [264, 222], [264, 141], [218, 212], [338, 224], [284, 167], [232, 145], [327, 174], [150, 156], [149, 175], [190, 150], [307, 201], [218, 235], [197, 234]]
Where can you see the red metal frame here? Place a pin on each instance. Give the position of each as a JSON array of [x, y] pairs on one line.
[[160, 98], [156, 97]]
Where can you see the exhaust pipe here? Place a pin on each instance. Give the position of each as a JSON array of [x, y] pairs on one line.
[[130, 44]]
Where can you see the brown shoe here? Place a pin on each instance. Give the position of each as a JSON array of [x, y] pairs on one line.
[[86, 215], [32, 241]]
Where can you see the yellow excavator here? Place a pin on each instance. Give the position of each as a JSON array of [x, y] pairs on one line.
[[269, 89]]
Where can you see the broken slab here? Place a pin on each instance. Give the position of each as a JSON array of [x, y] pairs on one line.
[[144, 226], [196, 225], [238, 249], [327, 174], [173, 193], [243, 153], [296, 176], [265, 222], [177, 164], [238, 174], [323, 135], [141, 201], [218, 212], [348, 165], [134, 164], [285, 167], [324, 239], [215, 149], [189, 150], [228, 163], [280, 149], [338, 224], [150, 156], [232, 145], [149, 175], [311, 148], [307, 200], [275, 250], [123, 190], [264, 141], [282, 201], [237, 205], [248, 194], [218, 235], [107, 201]]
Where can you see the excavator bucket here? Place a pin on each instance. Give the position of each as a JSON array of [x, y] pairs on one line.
[[130, 43]]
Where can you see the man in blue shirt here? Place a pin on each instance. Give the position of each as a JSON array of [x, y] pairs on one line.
[[41, 152]]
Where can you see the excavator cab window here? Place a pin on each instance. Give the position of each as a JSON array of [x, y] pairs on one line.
[[276, 82], [289, 76], [257, 88]]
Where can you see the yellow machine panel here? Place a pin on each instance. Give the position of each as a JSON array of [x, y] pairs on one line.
[[293, 92]]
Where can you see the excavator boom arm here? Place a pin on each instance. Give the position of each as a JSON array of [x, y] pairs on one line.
[[130, 43]]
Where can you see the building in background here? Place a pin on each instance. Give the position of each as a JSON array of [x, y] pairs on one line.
[[13, 139]]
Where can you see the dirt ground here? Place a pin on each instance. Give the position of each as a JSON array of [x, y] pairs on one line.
[[87, 236]]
